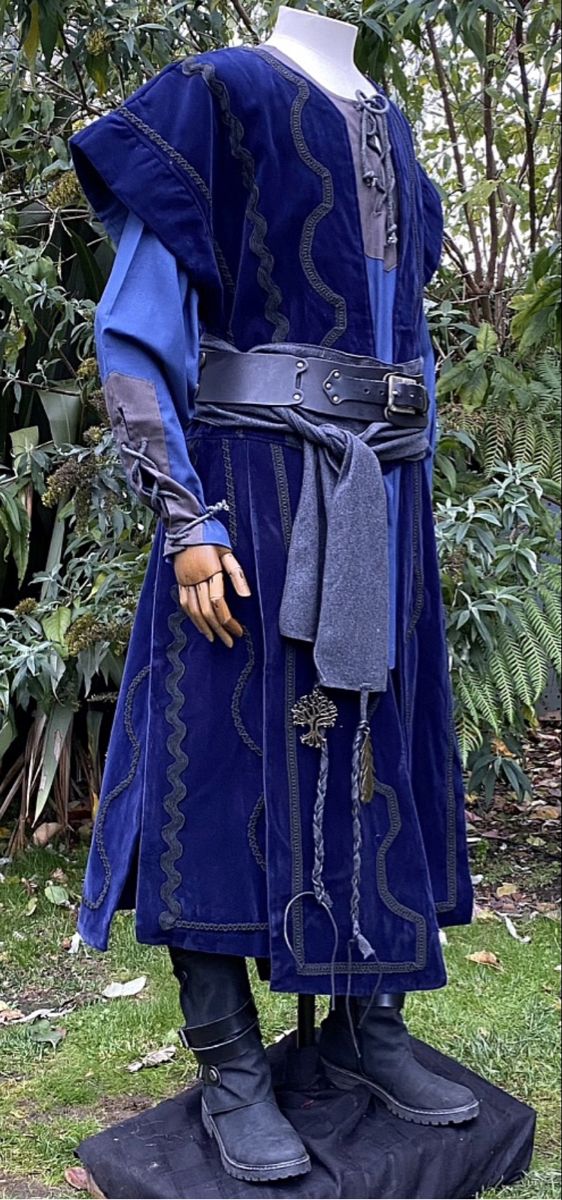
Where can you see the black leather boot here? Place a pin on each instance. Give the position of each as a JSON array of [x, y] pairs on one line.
[[379, 1055], [238, 1106]]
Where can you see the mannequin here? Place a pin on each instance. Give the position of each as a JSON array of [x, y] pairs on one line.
[[321, 46], [264, 352]]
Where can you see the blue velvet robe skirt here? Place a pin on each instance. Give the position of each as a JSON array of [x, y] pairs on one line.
[[205, 817]]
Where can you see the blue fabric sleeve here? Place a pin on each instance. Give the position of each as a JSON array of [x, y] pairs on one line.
[[147, 342], [433, 224]]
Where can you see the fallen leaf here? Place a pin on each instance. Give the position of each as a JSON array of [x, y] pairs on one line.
[[82, 1181], [485, 958], [537, 842], [46, 1034], [545, 812], [30, 907], [59, 876], [483, 914], [154, 1059], [78, 1178], [512, 930], [46, 832], [7, 1014], [29, 885], [507, 889], [52, 1014], [56, 894], [114, 991]]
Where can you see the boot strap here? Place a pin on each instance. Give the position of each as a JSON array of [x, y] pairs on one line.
[[393, 1000], [220, 1041]]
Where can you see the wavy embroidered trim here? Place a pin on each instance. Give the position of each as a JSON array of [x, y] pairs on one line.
[[175, 771], [260, 227], [452, 878], [230, 491], [238, 693], [322, 210], [416, 551], [190, 171], [253, 843], [116, 791]]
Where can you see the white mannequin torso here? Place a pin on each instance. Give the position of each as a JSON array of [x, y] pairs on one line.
[[324, 48]]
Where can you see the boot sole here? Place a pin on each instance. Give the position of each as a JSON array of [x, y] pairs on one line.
[[249, 1174], [346, 1080]]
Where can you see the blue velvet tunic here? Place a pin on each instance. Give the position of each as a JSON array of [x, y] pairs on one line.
[[232, 184]]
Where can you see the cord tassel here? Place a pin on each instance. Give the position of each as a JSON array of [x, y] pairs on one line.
[[362, 737]]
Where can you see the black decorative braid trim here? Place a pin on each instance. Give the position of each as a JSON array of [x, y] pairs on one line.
[[417, 468], [253, 843], [450, 903], [224, 926], [322, 210], [256, 218], [169, 150], [237, 697], [175, 773], [230, 491], [188, 169], [116, 791]]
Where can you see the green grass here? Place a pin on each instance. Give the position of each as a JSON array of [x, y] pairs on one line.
[[502, 1024]]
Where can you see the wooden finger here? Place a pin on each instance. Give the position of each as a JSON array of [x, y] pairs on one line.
[[235, 573], [194, 611], [225, 618]]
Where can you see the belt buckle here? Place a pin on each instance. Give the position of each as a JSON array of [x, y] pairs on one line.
[[394, 382]]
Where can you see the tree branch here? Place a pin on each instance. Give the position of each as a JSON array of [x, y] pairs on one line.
[[479, 272], [491, 172], [529, 131], [245, 19]]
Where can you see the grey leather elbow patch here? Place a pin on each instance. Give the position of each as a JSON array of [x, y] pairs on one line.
[[137, 424]]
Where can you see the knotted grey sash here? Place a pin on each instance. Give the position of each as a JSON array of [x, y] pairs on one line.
[[336, 592]]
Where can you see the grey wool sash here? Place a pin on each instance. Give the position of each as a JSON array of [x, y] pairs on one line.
[[336, 591]]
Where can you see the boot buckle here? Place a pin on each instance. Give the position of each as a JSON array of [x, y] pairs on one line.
[[209, 1074]]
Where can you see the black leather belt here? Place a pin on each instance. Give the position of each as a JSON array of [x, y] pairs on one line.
[[347, 385]]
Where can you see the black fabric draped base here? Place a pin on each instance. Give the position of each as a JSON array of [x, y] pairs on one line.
[[357, 1148]]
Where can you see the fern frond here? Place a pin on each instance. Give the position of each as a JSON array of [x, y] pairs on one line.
[[496, 436], [544, 447], [536, 660], [552, 609], [524, 439], [468, 733], [543, 631], [511, 650], [486, 703], [502, 678], [464, 694]]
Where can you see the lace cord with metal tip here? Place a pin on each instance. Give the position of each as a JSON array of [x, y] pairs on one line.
[[157, 491], [374, 124]]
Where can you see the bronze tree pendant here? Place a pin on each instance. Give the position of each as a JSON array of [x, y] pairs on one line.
[[317, 711]]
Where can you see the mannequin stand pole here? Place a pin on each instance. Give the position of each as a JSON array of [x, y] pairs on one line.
[[305, 1025]]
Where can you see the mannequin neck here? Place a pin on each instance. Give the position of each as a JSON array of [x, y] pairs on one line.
[[324, 48]]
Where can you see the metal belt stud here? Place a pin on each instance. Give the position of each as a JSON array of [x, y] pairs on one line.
[[301, 365]]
